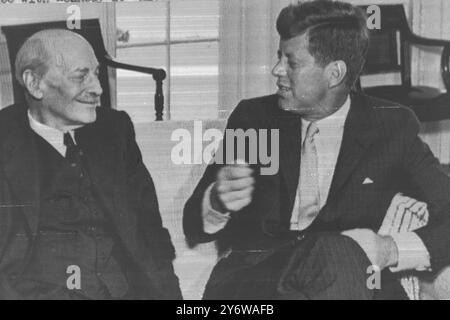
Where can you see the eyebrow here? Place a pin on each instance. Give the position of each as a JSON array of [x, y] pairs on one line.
[[288, 55], [291, 56], [86, 69], [82, 70]]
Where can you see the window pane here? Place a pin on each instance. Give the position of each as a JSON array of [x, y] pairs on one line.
[[194, 19], [145, 21], [194, 81], [193, 68], [135, 91]]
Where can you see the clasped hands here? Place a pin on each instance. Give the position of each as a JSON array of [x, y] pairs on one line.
[[233, 191]]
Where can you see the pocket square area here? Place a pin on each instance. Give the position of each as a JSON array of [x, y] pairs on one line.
[[368, 181]]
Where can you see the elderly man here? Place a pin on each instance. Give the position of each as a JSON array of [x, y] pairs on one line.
[[309, 232], [79, 216]]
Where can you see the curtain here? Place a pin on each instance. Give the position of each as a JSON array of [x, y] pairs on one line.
[[248, 50]]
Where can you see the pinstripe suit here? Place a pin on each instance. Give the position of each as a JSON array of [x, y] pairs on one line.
[[380, 141]]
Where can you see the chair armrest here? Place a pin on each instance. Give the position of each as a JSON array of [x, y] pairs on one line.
[[445, 57], [158, 74], [414, 38]]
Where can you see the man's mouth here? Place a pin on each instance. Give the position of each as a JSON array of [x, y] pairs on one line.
[[283, 89], [93, 103]]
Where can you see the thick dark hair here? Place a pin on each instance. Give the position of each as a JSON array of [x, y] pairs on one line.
[[336, 31]]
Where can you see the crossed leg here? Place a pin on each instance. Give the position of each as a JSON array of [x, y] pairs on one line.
[[321, 266]]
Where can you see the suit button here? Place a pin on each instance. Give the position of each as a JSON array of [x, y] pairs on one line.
[[300, 236]]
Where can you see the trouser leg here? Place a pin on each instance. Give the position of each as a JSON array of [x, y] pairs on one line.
[[326, 266]]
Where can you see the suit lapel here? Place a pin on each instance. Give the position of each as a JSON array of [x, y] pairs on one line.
[[101, 153], [290, 142], [360, 132], [21, 169]]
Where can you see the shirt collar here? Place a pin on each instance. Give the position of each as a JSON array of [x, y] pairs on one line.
[[53, 136], [333, 121]]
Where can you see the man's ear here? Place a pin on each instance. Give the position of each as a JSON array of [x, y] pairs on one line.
[[336, 72], [32, 82]]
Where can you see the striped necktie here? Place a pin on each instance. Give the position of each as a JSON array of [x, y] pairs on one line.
[[309, 196]]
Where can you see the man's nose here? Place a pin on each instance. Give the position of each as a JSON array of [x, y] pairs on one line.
[[94, 86], [279, 69]]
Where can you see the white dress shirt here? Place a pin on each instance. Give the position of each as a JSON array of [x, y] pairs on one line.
[[412, 252], [53, 136]]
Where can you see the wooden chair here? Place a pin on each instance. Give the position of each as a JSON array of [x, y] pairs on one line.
[[429, 104], [90, 30]]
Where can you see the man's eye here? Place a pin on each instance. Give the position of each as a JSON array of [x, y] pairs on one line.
[[80, 77], [292, 64]]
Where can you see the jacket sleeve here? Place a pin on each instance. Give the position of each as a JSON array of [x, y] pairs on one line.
[[152, 235], [141, 187], [432, 185], [7, 292], [192, 215]]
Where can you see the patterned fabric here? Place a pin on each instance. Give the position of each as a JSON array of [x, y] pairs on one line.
[[309, 181], [403, 215]]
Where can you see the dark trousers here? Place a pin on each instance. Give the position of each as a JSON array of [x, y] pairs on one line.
[[320, 266]]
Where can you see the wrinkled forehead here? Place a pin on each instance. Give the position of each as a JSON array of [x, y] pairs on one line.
[[72, 53]]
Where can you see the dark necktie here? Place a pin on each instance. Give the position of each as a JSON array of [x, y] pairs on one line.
[[73, 152]]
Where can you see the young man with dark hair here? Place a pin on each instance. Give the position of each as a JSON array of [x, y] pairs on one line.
[[310, 231]]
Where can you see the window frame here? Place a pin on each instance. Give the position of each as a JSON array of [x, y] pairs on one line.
[[168, 43]]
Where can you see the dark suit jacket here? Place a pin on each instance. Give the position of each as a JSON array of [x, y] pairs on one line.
[[116, 169], [380, 142]]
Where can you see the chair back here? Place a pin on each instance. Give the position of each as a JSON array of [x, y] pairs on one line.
[[389, 50]]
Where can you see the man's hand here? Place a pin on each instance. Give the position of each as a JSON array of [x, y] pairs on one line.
[[233, 188], [381, 250]]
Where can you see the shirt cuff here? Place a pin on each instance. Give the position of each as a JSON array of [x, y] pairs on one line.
[[213, 220], [412, 253]]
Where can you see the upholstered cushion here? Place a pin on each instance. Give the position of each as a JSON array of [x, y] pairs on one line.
[[407, 214]]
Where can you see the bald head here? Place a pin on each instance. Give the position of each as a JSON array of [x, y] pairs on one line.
[[60, 74], [45, 48]]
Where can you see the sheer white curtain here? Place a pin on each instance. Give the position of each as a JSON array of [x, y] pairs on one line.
[[248, 47]]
